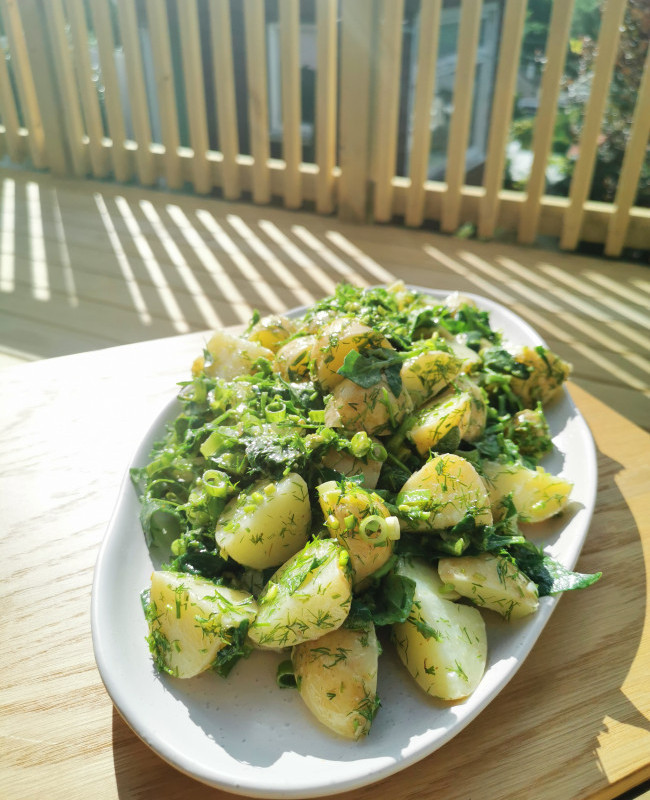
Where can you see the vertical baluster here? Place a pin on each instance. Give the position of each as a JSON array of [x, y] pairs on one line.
[[459, 129], [584, 169], [224, 83], [137, 92], [195, 95], [64, 70], [635, 153], [326, 98], [15, 143], [24, 77], [505, 84], [258, 105], [556, 47], [356, 58], [121, 157], [291, 105], [89, 98], [165, 90], [387, 92], [421, 128]]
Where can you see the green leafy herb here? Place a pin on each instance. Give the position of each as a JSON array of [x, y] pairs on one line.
[[366, 368]]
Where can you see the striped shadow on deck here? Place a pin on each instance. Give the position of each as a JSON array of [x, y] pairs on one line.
[[91, 265]]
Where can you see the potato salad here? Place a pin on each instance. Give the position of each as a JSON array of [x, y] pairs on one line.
[[363, 476]]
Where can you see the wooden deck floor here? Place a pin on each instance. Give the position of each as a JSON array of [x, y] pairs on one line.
[[87, 265]]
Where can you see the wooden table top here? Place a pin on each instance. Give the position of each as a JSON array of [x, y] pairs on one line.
[[573, 723]]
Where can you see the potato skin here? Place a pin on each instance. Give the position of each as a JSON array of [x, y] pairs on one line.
[[189, 618], [306, 598], [265, 525], [436, 418], [292, 358], [344, 462], [336, 676], [272, 331], [427, 373]]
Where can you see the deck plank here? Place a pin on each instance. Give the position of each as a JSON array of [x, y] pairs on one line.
[[86, 265]]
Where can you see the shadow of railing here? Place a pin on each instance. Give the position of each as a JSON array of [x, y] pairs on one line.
[[91, 265]]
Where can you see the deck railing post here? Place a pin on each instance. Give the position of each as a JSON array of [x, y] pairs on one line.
[[39, 90], [357, 40]]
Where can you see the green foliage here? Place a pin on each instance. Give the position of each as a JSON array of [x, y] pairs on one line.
[[578, 74]]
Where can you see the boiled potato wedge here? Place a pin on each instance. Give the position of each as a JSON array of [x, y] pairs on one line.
[[344, 462], [428, 373], [478, 408], [266, 523], [447, 488], [292, 358], [491, 582], [536, 494], [333, 342], [306, 598], [451, 409], [442, 644], [336, 676], [375, 409], [547, 373], [272, 331], [230, 355], [361, 523], [191, 620]]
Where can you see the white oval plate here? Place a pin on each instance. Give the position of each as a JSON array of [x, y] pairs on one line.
[[245, 735]]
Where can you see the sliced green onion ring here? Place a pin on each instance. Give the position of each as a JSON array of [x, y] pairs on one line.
[[275, 411], [215, 483], [385, 528]]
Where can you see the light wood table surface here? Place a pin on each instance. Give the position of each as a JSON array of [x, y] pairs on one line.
[[573, 723]]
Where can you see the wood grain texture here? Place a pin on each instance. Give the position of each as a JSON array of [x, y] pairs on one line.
[[574, 720]]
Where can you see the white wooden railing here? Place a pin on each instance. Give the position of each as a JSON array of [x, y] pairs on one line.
[[73, 102]]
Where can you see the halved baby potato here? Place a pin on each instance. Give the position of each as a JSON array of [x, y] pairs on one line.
[[449, 410], [427, 373], [344, 462], [306, 598], [375, 409], [191, 620], [442, 644], [336, 676], [447, 488], [230, 356], [266, 523], [536, 494], [492, 582], [292, 358], [547, 373], [271, 331], [333, 342], [361, 523]]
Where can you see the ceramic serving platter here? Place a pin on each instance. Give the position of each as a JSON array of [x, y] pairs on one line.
[[245, 735]]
